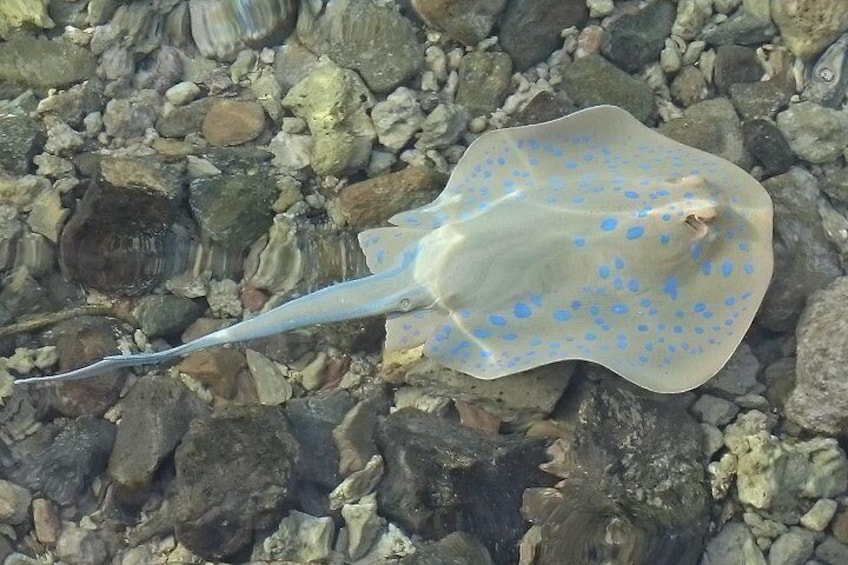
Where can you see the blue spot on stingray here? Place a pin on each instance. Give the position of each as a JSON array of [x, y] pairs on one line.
[[562, 316], [465, 313], [666, 217], [749, 268], [729, 301], [579, 242], [642, 327], [619, 263], [677, 329], [620, 308], [619, 284], [743, 246], [699, 307], [510, 336], [497, 320], [680, 314], [535, 342], [696, 252], [726, 269], [633, 285], [609, 224], [521, 310], [571, 165], [707, 267], [594, 309], [604, 272], [536, 299], [635, 232], [645, 302], [631, 194], [699, 330], [591, 337], [670, 287], [576, 304], [481, 333], [665, 238]]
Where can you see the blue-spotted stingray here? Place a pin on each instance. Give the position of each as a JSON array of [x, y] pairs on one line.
[[588, 237]]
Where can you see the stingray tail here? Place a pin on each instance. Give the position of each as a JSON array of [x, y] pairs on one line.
[[394, 290]]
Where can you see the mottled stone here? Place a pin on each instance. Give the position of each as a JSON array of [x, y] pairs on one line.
[[792, 548], [735, 64], [803, 255], [63, 471], [233, 209], [809, 26], [370, 202], [479, 477], [128, 118], [593, 80], [233, 122], [183, 120], [442, 127], [484, 79], [334, 102], [530, 29], [691, 17], [656, 500], [467, 21], [156, 414], [634, 40], [43, 63], [374, 40], [20, 140], [233, 472], [732, 543], [397, 118], [711, 126], [815, 133], [689, 87], [758, 100], [14, 503], [820, 398]]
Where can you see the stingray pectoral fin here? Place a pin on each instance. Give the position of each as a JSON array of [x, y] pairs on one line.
[[391, 291]]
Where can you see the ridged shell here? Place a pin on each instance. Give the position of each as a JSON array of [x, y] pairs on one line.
[[221, 28]]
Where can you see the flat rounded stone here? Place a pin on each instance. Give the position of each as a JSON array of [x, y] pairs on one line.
[[233, 122]]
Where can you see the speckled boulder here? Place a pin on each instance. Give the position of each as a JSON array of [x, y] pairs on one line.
[[820, 398], [809, 26]]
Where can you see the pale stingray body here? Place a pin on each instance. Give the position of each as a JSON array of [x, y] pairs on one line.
[[588, 237]]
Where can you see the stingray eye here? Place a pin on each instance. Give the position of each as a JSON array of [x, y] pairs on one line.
[[405, 305]]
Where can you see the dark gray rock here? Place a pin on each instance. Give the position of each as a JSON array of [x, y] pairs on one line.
[[767, 146], [530, 29], [819, 400], [166, 315], [64, 470], [442, 477], [543, 107], [233, 210], [634, 40], [631, 465], [156, 414], [816, 133], [712, 126], [313, 420], [742, 28], [593, 80], [804, 257], [735, 64], [184, 120], [376, 41], [233, 473], [831, 551], [21, 138], [758, 100], [484, 80]]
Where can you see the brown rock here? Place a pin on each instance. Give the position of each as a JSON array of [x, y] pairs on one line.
[[233, 122], [373, 201], [216, 368]]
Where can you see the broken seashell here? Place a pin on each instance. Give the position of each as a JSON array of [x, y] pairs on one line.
[[221, 28]]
